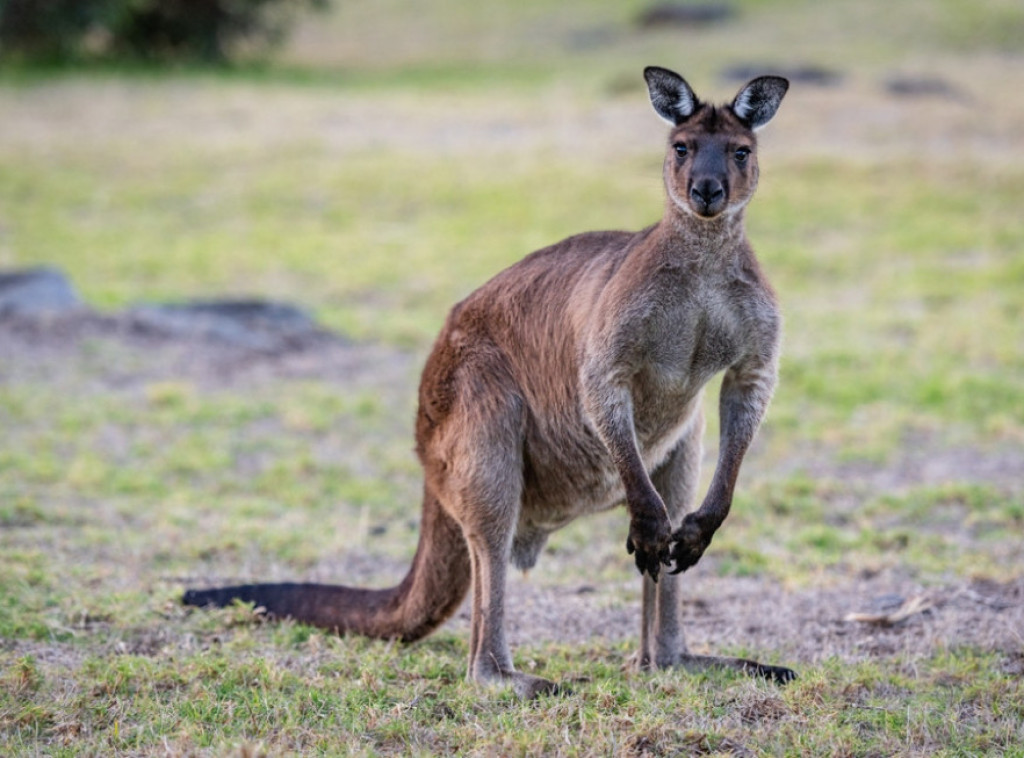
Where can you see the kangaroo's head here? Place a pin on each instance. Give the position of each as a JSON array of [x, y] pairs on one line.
[[711, 164]]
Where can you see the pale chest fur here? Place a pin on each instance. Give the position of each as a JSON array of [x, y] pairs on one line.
[[702, 327]]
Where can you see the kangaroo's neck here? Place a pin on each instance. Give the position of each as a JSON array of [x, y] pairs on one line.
[[719, 241]]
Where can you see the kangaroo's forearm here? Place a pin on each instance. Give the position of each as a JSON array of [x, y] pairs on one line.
[[611, 412], [744, 399], [742, 405], [609, 406]]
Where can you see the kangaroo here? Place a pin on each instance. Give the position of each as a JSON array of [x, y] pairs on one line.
[[571, 383]]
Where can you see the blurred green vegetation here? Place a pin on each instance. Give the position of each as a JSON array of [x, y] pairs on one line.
[[901, 284], [169, 31]]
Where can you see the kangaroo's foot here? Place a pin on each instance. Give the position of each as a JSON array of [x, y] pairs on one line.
[[526, 686], [777, 674]]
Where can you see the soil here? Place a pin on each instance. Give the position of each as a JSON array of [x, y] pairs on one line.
[[797, 624]]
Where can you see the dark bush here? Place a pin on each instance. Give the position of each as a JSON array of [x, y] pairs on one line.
[[45, 29], [161, 30]]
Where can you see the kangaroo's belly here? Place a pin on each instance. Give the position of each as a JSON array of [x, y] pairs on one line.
[[569, 473]]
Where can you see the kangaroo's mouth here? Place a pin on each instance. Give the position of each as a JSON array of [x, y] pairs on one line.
[[707, 210]]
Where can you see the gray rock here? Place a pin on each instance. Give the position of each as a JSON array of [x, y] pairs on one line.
[[924, 86], [686, 15], [37, 292], [592, 38], [806, 74], [254, 324]]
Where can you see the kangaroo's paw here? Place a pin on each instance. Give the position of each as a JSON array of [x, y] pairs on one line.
[[690, 541], [648, 542]]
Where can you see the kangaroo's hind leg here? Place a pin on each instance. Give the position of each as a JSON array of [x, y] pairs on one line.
[[482, 490], [662, 641]]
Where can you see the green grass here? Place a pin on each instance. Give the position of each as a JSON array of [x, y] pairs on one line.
[[315, 694], [958, 529]]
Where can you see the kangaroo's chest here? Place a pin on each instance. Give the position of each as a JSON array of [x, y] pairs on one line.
[[684, 346]]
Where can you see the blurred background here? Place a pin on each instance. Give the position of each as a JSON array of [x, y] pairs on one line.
[[375, 161]]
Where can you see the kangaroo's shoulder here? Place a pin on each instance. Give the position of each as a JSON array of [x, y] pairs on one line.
[[570, 256], [539, 286]]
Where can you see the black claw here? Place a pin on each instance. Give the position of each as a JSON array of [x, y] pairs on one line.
[[630, 547], [647, 564], [778, 674], [679, 564], [785, 676]]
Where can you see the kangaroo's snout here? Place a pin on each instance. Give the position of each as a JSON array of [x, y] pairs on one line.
[[708, 196]]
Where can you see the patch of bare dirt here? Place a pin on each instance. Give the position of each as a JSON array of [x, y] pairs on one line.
[[792, 625], [113, 352]]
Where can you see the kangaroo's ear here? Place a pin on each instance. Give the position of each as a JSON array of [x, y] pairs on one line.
[[756, 103], [671, 96]]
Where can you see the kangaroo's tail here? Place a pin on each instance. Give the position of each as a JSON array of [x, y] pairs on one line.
[[429, 594]]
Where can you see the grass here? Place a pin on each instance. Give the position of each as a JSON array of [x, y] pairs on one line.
[[377, 185], [314, 694]]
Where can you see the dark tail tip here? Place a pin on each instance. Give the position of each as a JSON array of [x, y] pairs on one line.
[[220, 597]]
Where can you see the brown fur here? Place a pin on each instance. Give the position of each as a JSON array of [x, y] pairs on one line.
[[571, 383]]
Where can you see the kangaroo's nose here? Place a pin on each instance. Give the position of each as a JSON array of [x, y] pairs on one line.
[[707, 191]]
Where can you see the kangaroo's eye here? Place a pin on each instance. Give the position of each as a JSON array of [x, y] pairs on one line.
[[742, 154], [680, 149]]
